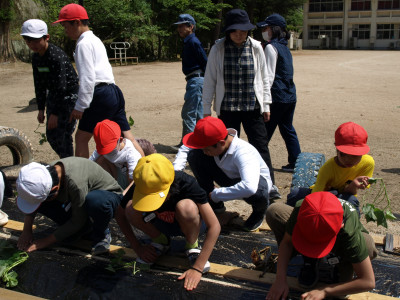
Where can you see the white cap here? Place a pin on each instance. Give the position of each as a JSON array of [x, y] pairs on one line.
[[34, 28], [34, 184]]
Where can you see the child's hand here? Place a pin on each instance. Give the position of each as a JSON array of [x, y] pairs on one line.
[[361, 182]]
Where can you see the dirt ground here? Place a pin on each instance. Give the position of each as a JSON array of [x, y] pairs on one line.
[[333, 87]]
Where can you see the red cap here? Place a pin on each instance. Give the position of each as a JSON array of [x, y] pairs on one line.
[[208, 132], [72, 12], [351, 138], [106, 135], [318, 223]]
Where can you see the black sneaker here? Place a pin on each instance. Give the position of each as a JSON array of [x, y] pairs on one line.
[[308, 276], [193, 254], [218, 207], [288, 168], [254, 221], [274, 193]]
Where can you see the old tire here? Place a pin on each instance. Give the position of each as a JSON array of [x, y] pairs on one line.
[[306, 169], [18, 144]]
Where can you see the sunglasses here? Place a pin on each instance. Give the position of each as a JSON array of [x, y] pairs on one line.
[[30, 39]]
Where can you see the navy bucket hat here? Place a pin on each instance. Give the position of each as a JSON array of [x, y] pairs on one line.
[[185, 18], [273, 20], [237, 19]]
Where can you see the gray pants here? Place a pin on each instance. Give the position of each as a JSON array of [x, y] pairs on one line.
[[277, 216]]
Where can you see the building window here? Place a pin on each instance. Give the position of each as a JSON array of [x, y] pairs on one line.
[[361, 4], [325, 5], [389, 4], [386, 31], [361, 31], [331, 31]]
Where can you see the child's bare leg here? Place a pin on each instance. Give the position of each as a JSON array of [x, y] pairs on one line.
[[188, 216], [82, 139]]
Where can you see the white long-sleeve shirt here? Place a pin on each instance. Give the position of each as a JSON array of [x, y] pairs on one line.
[[93, 67], [127, 157], [271, 57], [241, 160]]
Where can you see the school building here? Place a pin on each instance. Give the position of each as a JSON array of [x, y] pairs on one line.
[[351, 24]]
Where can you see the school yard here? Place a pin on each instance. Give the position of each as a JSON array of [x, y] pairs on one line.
[[333, 87]]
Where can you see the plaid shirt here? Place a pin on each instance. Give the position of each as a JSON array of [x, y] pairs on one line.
[[239, 78]]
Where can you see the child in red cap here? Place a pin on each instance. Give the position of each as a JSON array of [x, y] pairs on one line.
[[347, 172], [98, 97], [115, 154], [318, 226]]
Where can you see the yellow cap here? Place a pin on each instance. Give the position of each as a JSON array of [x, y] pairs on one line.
[[153, 177]]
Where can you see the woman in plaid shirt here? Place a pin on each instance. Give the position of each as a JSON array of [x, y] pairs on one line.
[[236, 75]]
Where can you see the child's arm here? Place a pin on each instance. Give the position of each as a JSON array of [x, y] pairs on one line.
[[26, 236], [364, 281], [124, 220], [192, 277]]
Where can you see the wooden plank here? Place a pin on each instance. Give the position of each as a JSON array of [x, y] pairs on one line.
[[15, 225], [6, 294], [224, 270]]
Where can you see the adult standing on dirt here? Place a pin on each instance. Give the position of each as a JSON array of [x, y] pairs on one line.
[[98, 97], [56, 86], [194, 61], [237, 76], [283, 90]]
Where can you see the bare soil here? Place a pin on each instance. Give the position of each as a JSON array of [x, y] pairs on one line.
[[333, 87]]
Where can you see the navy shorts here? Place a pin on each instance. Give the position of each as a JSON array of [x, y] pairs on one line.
[[173, 229], [108, 103]]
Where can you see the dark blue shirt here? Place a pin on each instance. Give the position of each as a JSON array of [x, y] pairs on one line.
[[193, 56]]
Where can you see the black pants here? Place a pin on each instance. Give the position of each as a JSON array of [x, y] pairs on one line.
[[254, 126]]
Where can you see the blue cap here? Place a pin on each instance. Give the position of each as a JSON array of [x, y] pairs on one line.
[[273, 20], [185, 18]]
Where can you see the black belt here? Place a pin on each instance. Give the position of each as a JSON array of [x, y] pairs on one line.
[[194, 75], [101, 84]]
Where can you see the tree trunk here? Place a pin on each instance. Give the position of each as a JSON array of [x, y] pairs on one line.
[[6, 52], [217, 29]]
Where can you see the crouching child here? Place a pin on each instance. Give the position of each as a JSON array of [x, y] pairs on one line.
[[163, 203]]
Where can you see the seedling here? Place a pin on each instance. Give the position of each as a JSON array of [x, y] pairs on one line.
[[371, 210], [9, 258], [42, 136], [118, 263], [131, 121]]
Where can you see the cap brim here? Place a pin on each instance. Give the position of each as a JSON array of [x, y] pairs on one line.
[[190, 140], [353, 150], [32, 35], [26, 207], [311, 249], [245, 27], [182, 22], [261, 24], [148, 202]]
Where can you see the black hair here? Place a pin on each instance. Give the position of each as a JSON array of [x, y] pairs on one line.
[[84, 22], [216, 144], [8, 191], [279, 33]]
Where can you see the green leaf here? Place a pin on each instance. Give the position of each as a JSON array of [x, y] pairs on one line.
[[380, 217], [389, 215], [131, 121]]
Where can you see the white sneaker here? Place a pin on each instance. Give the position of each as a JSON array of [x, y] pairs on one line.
[[3, 218]]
